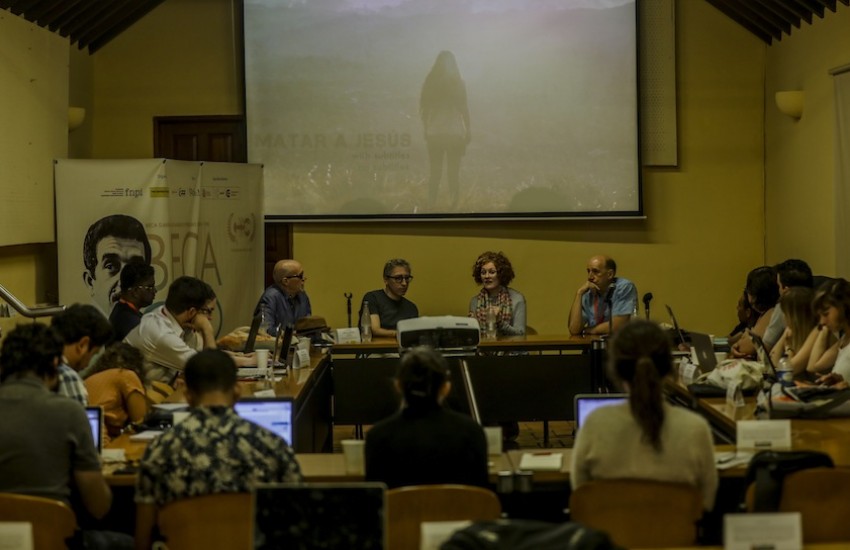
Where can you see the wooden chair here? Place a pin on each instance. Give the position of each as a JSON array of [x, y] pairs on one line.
[[52, 521], [639, 513], [821, 497], [222, 520], [408, 507]]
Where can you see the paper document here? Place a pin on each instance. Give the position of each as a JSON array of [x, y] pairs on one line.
[[541, 461]]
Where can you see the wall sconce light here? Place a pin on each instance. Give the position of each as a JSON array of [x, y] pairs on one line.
[[76, 116], [790, 103]]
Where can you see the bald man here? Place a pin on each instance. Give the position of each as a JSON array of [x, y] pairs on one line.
[[604, 302], [285, 301]]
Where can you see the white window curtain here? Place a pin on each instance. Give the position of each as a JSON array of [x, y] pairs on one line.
[[841, 79]]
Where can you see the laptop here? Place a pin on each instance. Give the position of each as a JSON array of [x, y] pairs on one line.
[[704, 348], [272, 413], [95, 416], [676, 326], [345, 516], [280, 357], [252, 333], [586, 403]]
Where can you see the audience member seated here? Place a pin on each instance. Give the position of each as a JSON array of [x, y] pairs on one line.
[[645, 438], [762, 294], [493, 271], [116, 384], [605, 302], [789, 274], [46, 445], [832, 305], [801, 329], [169, 335], [425, 443], [138, 290], [284, 301], [211, 451], [83, 330], [388, 306], [747, 317]]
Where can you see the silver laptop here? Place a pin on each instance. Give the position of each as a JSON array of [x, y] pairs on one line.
[[344, 516], [272, 413], [586, 403], [704, 348]]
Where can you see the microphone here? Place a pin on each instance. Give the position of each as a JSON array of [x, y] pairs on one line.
[[646, 299]]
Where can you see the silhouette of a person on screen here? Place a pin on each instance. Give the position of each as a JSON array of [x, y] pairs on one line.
[[445, 118]]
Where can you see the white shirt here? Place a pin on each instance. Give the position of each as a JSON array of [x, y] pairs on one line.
[[164, 343]]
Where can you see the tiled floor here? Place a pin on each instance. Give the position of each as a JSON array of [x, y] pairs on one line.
[[530, 435]]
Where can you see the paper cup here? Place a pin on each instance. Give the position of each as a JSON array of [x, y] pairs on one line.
[[262, 356], [354, 451]]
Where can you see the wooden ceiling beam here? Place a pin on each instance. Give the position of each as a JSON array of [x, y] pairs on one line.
[[111, 17], [732, 13], [811, 6], [90, 14], [782, 11], [143, 9]]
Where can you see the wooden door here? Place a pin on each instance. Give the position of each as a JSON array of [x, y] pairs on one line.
[[218, 138]]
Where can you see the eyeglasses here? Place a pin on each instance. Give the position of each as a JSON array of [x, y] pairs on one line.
[[402, 278], [208, 311], [299, 276], [149, 288]]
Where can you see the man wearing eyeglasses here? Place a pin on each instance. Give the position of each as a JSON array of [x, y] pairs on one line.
[[138, 291], [604, 302], [169, 335], [388, 306], [285, 301]]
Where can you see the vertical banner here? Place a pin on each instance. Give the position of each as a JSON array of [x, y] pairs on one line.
[[202, 219]]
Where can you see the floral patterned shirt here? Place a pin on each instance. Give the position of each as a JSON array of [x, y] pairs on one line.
[[213, 451]]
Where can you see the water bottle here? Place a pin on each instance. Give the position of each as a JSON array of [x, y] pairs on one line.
[[785, 372], [365, 324], [490, 329], [265, 321]]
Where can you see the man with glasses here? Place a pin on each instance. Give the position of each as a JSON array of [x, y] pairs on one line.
[[171, 334], [285, 301], [138, 291], [604, 302], [388, 306]]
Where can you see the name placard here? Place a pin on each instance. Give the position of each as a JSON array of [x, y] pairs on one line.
[[781, 531], [349, 335], [301, 359], [763, 434], [688, 372]]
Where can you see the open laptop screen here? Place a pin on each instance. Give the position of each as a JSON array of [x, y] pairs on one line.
[[586, 403], [273, 414], [95, 416], [305, 516]]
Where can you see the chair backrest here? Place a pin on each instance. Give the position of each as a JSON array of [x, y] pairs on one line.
[[821, 497], [52, 521], [408, 507], [223, 520], [639, 513]]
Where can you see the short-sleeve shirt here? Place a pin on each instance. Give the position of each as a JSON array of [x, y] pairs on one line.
[[44, 439], [71, 385], [213, 451], [124, 318], [165, 345], [388, 310], [110, 390], [595, 311]]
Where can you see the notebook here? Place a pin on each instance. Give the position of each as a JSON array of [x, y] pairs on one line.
[[95, 416], [586, 403], [704, 349], [272, 413], [349, 516]]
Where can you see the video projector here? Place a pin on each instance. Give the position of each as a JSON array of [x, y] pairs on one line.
[[446, 333]]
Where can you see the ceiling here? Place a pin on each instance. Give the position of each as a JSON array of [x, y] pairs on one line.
[[770, 20], [93, 23], [88, 23]]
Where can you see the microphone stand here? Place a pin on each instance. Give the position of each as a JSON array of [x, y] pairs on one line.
[[348, 297]]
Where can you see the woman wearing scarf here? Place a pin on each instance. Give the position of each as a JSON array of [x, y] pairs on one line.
[[493, 271]]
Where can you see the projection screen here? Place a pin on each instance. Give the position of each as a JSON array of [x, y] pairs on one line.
[[441, 109]]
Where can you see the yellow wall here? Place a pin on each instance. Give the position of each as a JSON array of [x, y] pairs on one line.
[[799, 156], [704, 220]]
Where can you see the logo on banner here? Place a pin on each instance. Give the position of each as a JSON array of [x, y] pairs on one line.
[[241, 228]]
